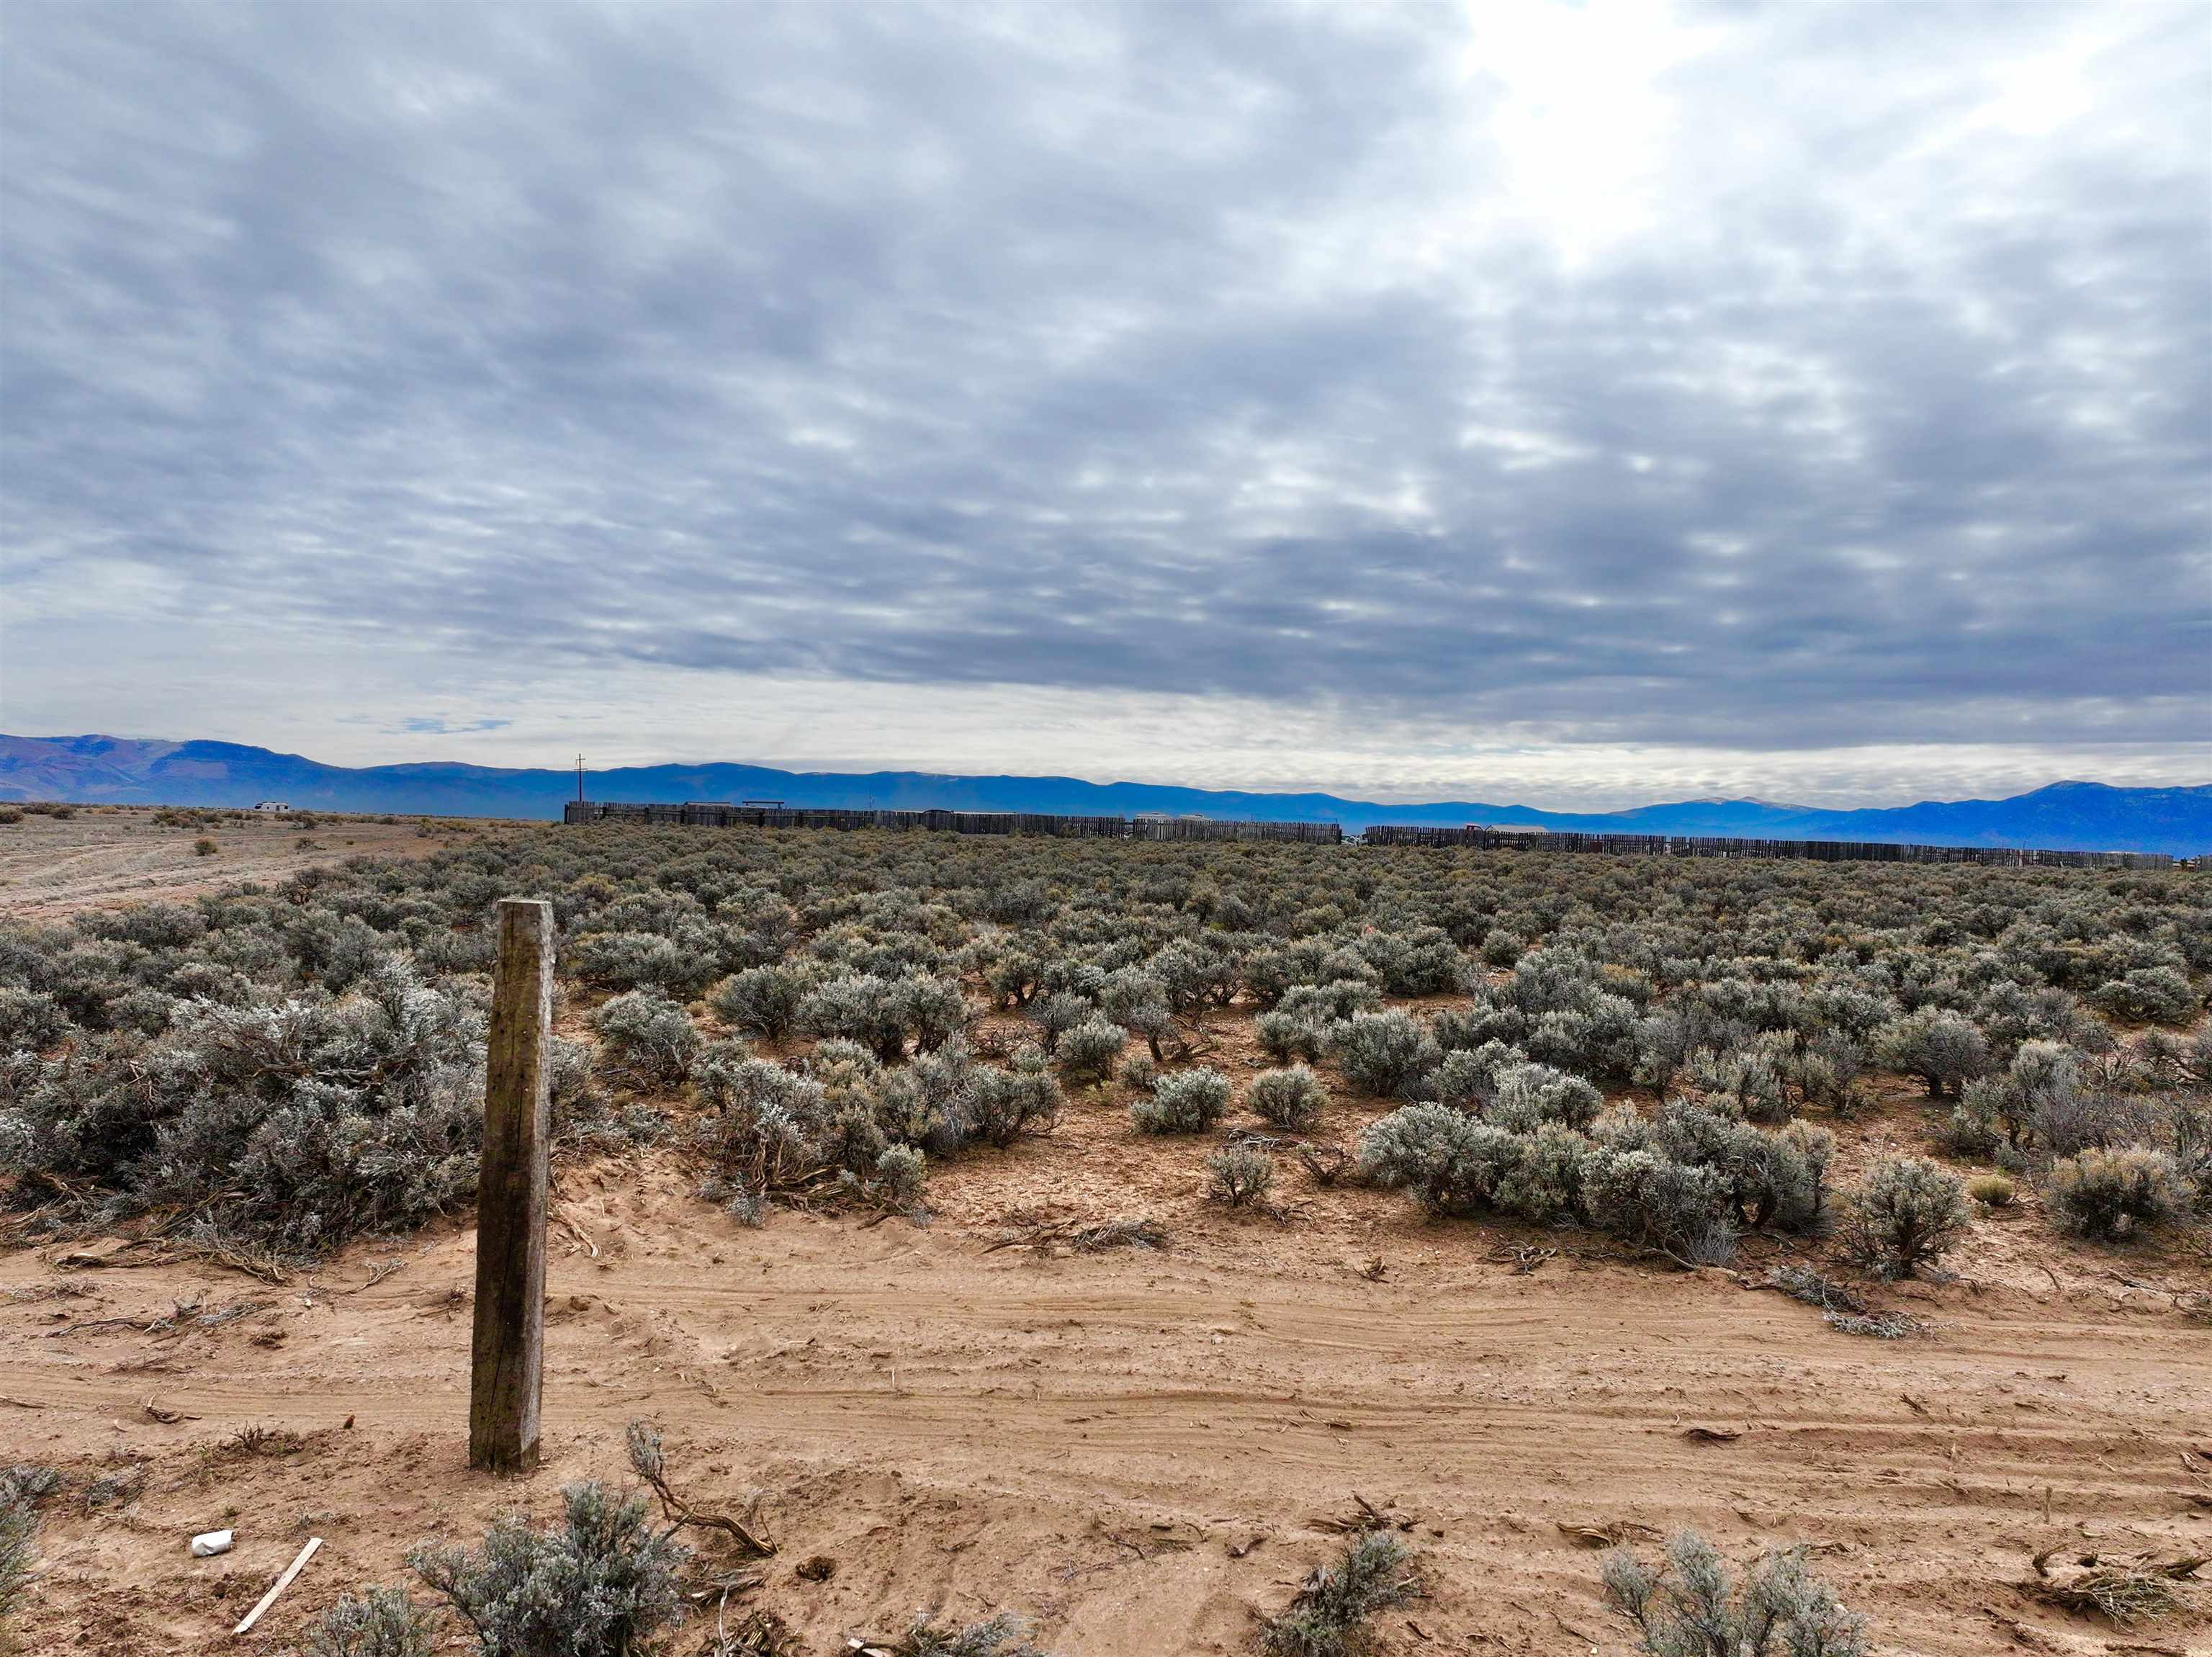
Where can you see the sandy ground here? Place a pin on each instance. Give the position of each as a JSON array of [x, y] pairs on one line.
[[1095, 1440], [1143, 1450], [108, 857]]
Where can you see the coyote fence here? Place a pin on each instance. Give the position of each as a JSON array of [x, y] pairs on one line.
[[717, 814], [1711, 845]]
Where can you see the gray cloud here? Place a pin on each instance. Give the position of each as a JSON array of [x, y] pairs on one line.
[[1845, 379]]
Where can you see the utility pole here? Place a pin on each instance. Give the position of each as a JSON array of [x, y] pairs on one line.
[[579, 779]]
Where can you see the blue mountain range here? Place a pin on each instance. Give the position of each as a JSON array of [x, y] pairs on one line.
[[2066, 816]]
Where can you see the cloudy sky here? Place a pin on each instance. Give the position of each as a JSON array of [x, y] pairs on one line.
[[1582, 406]]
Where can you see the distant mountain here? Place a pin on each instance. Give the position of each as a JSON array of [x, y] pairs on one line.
[[2087, 816]]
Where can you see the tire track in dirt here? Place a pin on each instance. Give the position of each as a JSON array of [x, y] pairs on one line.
[[948, 1424]]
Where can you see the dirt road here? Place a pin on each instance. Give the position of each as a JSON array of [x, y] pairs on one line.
[[50, 867], [1094, 1439]]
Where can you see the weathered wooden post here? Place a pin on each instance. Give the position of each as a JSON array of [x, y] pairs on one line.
[[510, 1316]]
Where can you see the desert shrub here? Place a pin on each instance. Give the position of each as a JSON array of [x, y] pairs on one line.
[[2000, 1110], [866, 1008], [2070, 1120], [2170, 1060], [1529, 1096], [1087, 1051], [1289, 1098], [1183, 1102], [29, 1019], [2147, 995], [1483, 1025], [1545, 1184], [11, 814], [292, 1125], [1422, 962], [1651, 1201], [1595, 1033], [1908, 1214], [1776, 969], [932, 1101], [202, 847], [1693, 1605], [29, 1481], [383, 1622], [1769, 1177], [1323, 1004], [1665, 1040], [901, 1173], [1138, 1074], [1057, 1014], [1196, 974], [572, 1086], [1240, 1174], [1375, 1573], [442, 953], [1621, 1128], [1271, 973], [1991, 1191], [2112, 1194], [1942, 1049], [2010, 1013], [646, 960], [936, 1011], [154, 926], [1500, 947], [1383, 1053], [599, 1584], [1789, 1183], [2188, 1140], [1287, 1038], [644, 1038], [1448, 1162], [761, 1126], [1005, 1104], [1851, 1010], [761, 1001], [1011, 977], [1138, 1002], [1825, 1070], [22, 1489], [1750, 1077], [1005, 1634], [1467, 1078]]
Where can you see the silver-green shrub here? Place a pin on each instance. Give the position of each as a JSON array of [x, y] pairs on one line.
[[1691, 1605], [1087, 1051], [601, 1583], [1182, 1101], [1907, 1215], [382, 1622], [1375, 1573], [1289, 1098], [1240, 1174], [761, 1001], [1451, 1163], [2112, 1195], [1383, 1054], [645, 1039]]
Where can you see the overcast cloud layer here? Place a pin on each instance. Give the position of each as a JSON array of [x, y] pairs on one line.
[[1814, 400]]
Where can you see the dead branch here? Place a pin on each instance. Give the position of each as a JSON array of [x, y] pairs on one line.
[[650, 1463]]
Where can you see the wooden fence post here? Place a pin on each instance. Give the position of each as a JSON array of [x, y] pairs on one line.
[[508, 1356]]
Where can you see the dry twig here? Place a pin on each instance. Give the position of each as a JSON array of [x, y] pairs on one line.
[[2122, 1591], [650, 1463]]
